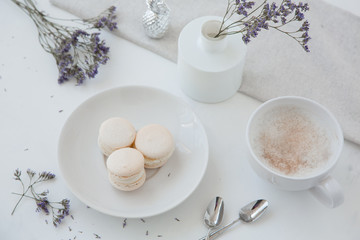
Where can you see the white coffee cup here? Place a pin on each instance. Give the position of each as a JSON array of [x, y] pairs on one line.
[[278, 114]]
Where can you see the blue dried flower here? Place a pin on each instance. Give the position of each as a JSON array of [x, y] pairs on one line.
[[42, 205], [44, 176], [305, 26], [17, 175], [107, 20], [77, 52], [266, 16], [30, 173], [246, 38], [58, 209]]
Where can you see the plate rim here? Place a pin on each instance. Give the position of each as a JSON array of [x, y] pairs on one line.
[[106, 211]]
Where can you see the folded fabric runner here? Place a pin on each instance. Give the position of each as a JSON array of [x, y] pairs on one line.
[[275, 65]]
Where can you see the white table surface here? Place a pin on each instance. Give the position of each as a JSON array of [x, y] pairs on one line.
[[33, 109]]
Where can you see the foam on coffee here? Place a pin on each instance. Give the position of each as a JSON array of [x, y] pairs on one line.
[[291, 142]]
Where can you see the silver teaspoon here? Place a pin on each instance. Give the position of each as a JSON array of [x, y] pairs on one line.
[[214, 214], [249, 213]]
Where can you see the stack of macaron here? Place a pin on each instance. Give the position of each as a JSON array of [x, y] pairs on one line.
[[130, 152]]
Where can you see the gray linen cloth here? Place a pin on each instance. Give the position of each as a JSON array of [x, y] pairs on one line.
[[275, 64]]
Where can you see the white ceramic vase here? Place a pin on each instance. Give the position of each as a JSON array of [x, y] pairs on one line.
[[210, 69]]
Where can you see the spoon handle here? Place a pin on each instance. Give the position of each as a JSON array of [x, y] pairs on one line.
[[208, 234], [216, 233]]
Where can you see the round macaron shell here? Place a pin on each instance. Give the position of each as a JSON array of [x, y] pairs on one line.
[[125, 162], [115, 133], [126, 169], [156, 143]]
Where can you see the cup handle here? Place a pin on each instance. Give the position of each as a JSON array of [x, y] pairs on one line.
[[329, 192]]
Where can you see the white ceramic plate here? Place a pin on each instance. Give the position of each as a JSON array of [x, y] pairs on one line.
[[83, 166]]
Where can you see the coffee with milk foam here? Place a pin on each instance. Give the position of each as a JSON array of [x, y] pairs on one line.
[[291, 141]]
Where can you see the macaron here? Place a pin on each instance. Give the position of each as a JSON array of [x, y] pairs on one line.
[[115, 133], [156, 143], [126, 169]]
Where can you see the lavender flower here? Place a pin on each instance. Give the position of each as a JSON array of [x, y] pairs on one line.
[[58, 210], [42, 205], [105, 21], [78, 51], [61, 212], [265, 16], [17, 174], [44, 176]]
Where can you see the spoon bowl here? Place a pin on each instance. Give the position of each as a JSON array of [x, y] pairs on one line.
[[249, 213], [214, 214], [253, 210]]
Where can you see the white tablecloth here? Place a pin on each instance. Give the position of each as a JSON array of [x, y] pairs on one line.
[[33, 109], [275, 64]]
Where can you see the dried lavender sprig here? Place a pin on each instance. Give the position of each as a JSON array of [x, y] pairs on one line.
[[58, 209], [17, 175], [78, 51], [265, 16]]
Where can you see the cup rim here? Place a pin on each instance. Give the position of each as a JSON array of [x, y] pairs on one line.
[[323, 171]]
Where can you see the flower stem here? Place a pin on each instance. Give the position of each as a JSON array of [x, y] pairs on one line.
[[22, 195]]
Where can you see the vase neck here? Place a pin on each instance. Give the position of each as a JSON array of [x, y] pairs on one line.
[[207, 37]]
